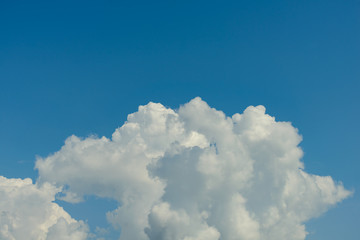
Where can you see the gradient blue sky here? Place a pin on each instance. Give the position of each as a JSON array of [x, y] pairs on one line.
[[79, 67]]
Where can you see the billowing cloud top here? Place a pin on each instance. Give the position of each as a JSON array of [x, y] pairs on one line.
[[190, 174], [27, 211]]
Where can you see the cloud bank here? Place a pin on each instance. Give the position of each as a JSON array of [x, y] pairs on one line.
[[189, 174]]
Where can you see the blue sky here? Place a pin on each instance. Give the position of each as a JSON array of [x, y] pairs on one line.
[[81, 67]]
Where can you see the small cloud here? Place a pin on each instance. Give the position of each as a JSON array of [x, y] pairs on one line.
[[28, 212]]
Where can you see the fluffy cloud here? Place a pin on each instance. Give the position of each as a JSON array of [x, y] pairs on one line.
[[195, 174], [28, 212]]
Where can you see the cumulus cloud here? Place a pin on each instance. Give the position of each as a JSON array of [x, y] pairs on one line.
[[194, 174], [28, 212]]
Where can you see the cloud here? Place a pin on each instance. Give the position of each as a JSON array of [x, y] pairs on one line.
[[194, 174], [28, 212]]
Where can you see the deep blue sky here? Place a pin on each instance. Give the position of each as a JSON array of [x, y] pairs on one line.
[[79, 67]]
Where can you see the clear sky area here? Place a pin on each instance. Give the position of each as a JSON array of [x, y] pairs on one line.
[[80, 67]]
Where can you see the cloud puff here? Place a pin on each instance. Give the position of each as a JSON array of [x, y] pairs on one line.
[[194, 174], [27, 211]]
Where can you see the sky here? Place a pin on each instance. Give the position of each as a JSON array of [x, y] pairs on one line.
[[81, 67]]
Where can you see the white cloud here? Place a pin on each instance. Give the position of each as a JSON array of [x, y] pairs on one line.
[[196, 174], [28, 212]]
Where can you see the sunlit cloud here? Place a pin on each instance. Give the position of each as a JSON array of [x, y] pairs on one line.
[[192, 173]]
